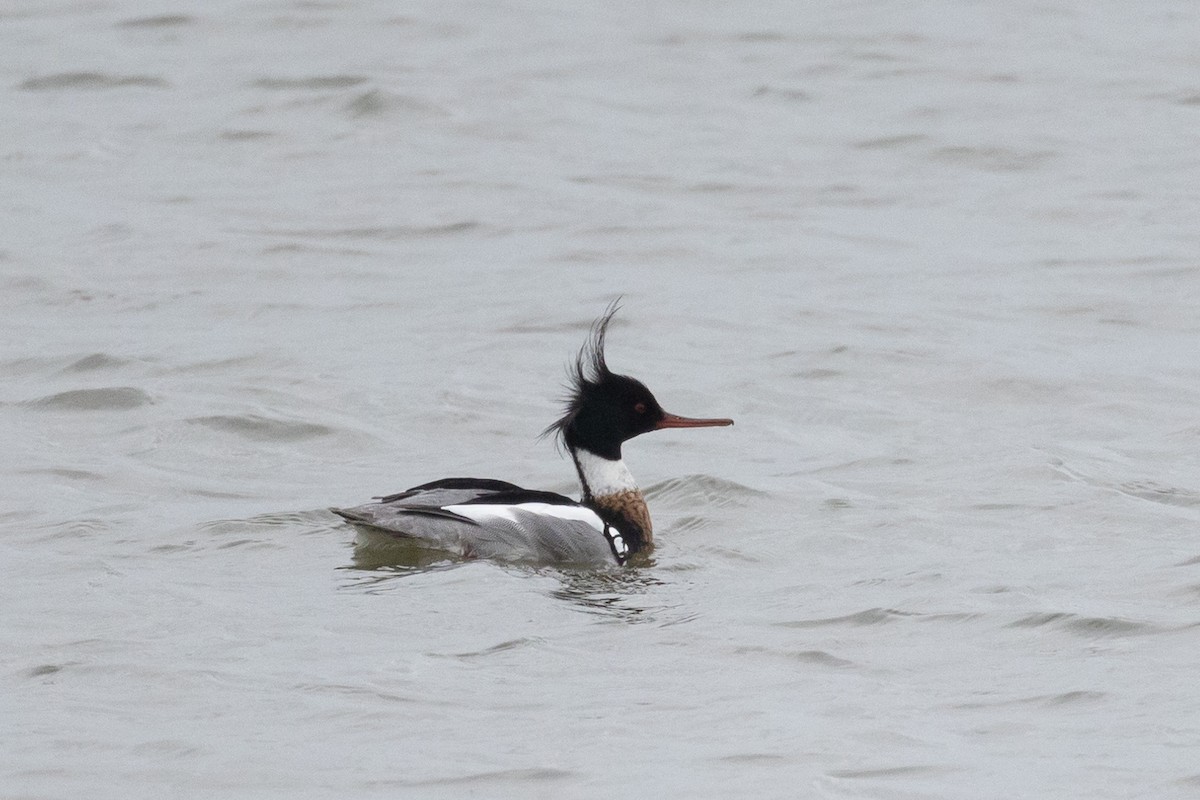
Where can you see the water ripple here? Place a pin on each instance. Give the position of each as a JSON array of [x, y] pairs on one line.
[[1085, 626], [67, 473], [312, 82], [993, 159], [1077, 696], [871, 616], [89, 80], [382, 232], [262, 531], [259, 428], [890, 142], [511, 644], [159, 21], [690, 490], [379, 103], [534, 774], [1157, 493], [115, 398], [818, 657], [887, 772], [95, 362]]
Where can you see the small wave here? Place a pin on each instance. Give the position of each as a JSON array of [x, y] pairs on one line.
[[43, 670], [787, 94], [495, 779], [216, 494], [727, 553], [1043, 700], [891, 142], [1108, 626], [115, 398], [763, 37], [159, 21], [313, 82], [1085, 626], [218, 365], [248, 544], [89, 80], [821, 658], [818, 374], [262, 523], [259, 428], [371, 693], [383, 232], [378, 103], [1039, 619], [1070, 698], [94, 362], [260, 532], [241, 135], [951, 616], [751, 758], [702, 489], [690, 523], [872, 616], [993, 159], [502, 647], [76, 529], [69, 474], [1157, 493], [887, 772]]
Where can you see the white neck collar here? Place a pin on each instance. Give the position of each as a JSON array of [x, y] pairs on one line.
[[602, 476]]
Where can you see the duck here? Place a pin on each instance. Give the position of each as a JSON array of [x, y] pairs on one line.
[[487, 518]]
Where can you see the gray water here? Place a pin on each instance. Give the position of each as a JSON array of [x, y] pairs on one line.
[[938, 259]]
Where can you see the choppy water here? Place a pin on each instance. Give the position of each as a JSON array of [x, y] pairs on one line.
[[939, 260]]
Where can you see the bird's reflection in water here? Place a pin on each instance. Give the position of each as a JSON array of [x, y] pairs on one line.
[[381, 559], [613, 592]]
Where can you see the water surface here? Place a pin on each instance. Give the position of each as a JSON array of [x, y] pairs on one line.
[[939, 262]]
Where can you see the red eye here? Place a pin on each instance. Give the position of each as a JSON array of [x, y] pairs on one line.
[[640, 408]]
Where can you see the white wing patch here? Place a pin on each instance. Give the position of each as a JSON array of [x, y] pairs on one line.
[[481, 511]]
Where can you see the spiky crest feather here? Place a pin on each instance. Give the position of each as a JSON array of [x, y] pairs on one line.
[[589, 370]]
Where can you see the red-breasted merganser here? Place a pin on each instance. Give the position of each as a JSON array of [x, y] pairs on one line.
[[484, 518]]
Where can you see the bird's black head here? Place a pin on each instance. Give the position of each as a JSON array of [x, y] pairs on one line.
[[605, 409]]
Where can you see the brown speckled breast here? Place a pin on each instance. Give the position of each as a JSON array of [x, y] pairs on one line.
[[631, 505]]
